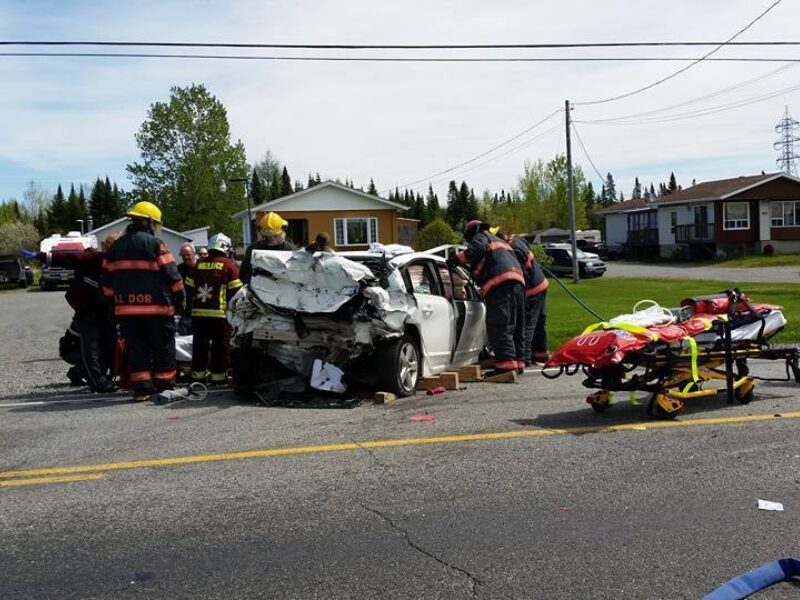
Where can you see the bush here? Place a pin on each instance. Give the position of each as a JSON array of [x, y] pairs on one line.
[[542, 257], [436, 233], [769, 250], [15, 235]]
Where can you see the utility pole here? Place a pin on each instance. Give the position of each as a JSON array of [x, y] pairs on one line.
[[785, 143], [571, 187]]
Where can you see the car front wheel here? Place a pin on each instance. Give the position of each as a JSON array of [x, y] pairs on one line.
[[400, 366]]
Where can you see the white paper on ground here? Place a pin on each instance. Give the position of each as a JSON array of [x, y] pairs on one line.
[[327, 377], [768, 505]]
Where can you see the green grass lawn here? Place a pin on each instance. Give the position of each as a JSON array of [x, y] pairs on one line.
[[779, 260], [611, 297]]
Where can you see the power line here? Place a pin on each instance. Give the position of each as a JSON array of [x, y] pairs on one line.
[[479, 156], [586, 152], [507, 59], [715, 94], [702, 112], [687, 67], [161, 44]]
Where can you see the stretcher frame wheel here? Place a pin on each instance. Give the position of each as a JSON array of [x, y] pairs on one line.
[[744, 390], [664, 407], [599, 400]]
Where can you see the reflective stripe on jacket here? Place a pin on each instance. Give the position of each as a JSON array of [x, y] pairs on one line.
[[492, 262], [210, 281], [141, 275], [535, 281]]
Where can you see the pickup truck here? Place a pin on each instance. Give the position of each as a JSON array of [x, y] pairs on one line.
[[52, 277]]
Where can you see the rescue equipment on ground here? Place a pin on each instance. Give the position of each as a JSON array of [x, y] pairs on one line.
[[672, 353]]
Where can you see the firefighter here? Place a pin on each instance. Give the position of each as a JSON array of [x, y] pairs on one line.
[[496, 270], [212, 282], [272, 228], [92, 321], [140, 274], [535, 294]]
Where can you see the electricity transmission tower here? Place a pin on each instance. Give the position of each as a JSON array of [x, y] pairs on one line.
[[785, 143]]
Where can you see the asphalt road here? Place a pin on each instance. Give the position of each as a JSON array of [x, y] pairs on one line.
[[513, 491], [738, 275]]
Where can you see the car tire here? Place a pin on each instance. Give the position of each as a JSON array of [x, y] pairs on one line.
[[581, 272], [246, 370], [399, 363]]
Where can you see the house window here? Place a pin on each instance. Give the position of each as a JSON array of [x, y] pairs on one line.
[[360, 231], [784, 214], [673, 221], [736, 215]]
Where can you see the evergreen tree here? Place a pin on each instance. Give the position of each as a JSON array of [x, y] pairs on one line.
[[258, 191], [662, 189], [56, 214], [637, 189], [298, 186], [621, 196], [611, 190], [432, 209], [285, 184], [652, 190], [589, 199], [673, 185], [372, 189], [453, 212], [317, 179], [104, 205], [311, 182]]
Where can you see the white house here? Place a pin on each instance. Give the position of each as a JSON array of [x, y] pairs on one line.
[[198, 236], [172, 239]]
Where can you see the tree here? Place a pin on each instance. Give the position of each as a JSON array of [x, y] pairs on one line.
[[258, 191], [637, 189], [105, 203], [432, 208], [269, 171], [454, 213], [17, 234], [436, 233], [673, 185], [56, 213], [611, 191], [285, 186], [186, 151], [372, 189]]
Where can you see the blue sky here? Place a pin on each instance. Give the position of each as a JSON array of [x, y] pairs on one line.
[[73, 119]]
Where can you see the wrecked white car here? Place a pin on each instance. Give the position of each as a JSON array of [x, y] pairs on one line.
[[371, 318]]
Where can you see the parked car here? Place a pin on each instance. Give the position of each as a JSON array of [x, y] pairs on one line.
[[14, 272], [589, 264], [383, 320]]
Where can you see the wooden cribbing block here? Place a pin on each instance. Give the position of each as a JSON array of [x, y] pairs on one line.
[[447, 379], [470, 373], [384, 397], [487, 363], [504, 377]]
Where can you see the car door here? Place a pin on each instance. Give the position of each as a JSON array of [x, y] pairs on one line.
[[435, 315], [470, 322]]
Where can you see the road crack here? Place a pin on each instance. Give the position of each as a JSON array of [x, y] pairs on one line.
[[474, 581]]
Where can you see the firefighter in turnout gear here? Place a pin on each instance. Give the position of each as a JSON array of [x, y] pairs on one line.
[[140, 274], [272, 228], [498, 274], [536, 285], [212, 281]]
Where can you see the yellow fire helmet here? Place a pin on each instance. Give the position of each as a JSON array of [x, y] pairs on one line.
[[494, 230], [272, 224], [145, 210]]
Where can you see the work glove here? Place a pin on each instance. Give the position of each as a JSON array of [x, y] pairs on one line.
[[452, 262], [180, 302], [28, 254]]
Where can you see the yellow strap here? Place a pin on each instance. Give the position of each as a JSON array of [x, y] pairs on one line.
[[632, 398], [629, 327]]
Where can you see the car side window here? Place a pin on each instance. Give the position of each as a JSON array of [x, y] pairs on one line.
[[447, 282], [419, 280]]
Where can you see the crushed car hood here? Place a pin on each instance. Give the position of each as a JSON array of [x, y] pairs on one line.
[[304, 282]]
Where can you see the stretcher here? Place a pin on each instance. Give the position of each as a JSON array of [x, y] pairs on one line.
[[695, 351]]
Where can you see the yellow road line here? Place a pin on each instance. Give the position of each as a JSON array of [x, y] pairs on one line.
[[41, 480], [388, 443]]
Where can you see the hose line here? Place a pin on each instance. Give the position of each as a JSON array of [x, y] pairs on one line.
[[589, 309]]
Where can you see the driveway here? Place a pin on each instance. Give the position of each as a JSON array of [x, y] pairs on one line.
[[786, 274]]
